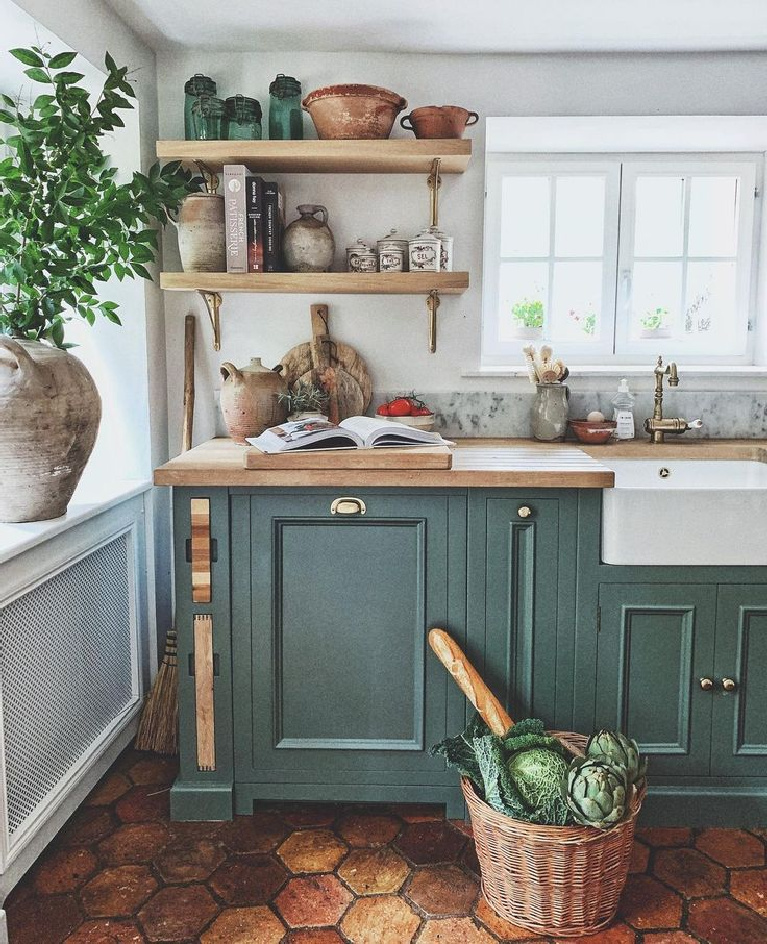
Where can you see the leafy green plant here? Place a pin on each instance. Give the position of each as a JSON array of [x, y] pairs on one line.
[[587, 322], [65, 222], [654, 318], [528, 313], [304, 397]]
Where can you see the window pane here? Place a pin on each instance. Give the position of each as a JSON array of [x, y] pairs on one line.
[[710, 305], [525, 225], [657, 292], [659, 216], [713, 216], [577, 301], [580, 216], [523, 299]]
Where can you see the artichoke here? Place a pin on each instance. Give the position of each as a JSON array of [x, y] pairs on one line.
[[597, 792], [619, 751]]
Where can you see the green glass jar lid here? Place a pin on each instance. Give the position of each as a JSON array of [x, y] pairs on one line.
[[285, 86], [200, 84], [242, 108]]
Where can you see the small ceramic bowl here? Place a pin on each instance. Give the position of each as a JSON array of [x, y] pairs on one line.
[[595, 434]]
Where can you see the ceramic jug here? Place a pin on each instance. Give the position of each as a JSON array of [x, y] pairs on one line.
[[308, 244], [201, 229], [549, 415], [250, 399]]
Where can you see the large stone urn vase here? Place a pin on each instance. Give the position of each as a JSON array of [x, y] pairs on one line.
[[49, 416]]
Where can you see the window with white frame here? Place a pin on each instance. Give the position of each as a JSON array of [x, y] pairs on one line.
[[606, 255]]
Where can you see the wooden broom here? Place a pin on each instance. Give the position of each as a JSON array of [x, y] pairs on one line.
[[158, 727]]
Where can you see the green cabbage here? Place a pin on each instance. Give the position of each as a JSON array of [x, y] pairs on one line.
[[538, 774]]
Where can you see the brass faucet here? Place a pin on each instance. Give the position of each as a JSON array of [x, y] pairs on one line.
[[657, 426]]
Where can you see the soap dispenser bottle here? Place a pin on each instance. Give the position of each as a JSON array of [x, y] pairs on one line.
[[623, 404]]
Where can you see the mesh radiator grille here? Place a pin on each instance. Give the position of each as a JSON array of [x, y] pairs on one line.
[[66, 668]]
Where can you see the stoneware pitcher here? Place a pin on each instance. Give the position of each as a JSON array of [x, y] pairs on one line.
[[250, 399], [201, 229], [308, 244], [549, 414]]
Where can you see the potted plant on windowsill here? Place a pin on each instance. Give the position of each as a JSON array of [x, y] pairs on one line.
[[65, 226], [527, 319], [654, 324]]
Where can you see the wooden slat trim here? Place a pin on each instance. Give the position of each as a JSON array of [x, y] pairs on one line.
[[201, 564], [203, 693]]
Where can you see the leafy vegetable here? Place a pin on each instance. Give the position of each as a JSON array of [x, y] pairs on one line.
[[459, 751], [538, 774], [597, 792]]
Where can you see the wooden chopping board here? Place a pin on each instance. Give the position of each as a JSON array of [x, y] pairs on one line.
[[410, 457], [335, 366]]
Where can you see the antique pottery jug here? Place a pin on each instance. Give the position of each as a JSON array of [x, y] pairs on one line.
[[201, 229], [308, 244], [250, 399], [50, 411]]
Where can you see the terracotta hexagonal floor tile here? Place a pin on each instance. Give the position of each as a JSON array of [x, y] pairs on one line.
[[118, 892], [469, 858], [647, 904], [734, 848], [453, 931], [418, 812], [177, 913], [723, 921], [194, 829], [58, 915], [383, 919], [106, 931], [248, 880], [463, 826], [313, 901], [260, 832], [443, 890], [308, 814], [374, 871], [89, 824], [190, 860], [144, 803], [245, 926], [111, 788], [314, 936], [64, 870], [669, 937], [154, 770], [662, 836], [312, 850], [368, 829], [750, 887], [134, 843], [689, 872], [640, 857], [618, 933], [431, 843], [501, 928]]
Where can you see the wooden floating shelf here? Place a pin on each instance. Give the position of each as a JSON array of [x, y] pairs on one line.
[[319, 283], [391, 156]]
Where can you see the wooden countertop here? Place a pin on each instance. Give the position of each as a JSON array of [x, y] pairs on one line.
[[478, 463]]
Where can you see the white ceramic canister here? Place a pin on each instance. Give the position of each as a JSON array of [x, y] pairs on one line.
[[392, 253], [446, 249], [360, 257], [424, 252]]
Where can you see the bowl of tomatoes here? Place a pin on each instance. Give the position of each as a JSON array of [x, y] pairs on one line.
[[407, 410]]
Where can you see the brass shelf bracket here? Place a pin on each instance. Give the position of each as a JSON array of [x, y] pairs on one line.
[[432, 304], [213, 304], [435, 182]]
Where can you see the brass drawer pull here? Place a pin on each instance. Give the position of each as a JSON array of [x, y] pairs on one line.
[[706, 684], [729, 685], [524, 511], [348, 506]]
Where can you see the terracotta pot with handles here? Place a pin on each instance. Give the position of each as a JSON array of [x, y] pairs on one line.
[[439, 121], [50, 411], [250, 399]]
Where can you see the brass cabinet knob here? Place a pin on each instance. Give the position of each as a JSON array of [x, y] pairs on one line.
[[348, 506], [729, 685], [524, 511], [706, 684]]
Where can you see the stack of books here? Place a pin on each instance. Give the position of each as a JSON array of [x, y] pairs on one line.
[[254, 221]]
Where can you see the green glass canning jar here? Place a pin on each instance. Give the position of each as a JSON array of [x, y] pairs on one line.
[[198, 85], [207, 118], [242, 119], [286, 120]]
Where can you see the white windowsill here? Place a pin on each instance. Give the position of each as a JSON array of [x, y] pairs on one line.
[[85, 504], [624, 370]]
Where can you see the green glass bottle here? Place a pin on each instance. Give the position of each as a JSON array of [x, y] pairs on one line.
[[242, 119], [286, 120], [198, 85], [207, 118]]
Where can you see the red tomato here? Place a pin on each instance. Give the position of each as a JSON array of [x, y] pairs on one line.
[[383, 410], [422, 411], [400, 406]]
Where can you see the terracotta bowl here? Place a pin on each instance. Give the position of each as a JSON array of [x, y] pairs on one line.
[[439, 121], [595, 434], [358, 112]]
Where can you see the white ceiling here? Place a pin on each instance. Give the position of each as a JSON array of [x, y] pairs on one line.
[[451, 26]]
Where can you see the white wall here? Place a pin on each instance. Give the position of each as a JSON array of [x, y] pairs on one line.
[[390, 332]]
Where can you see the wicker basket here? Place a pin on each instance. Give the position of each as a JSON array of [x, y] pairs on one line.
[[556, 880]]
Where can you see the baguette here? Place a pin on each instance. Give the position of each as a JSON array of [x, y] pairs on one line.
[[469, 681]]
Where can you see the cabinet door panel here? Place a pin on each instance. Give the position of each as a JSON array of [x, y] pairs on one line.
[[740, 717], [655, 643]]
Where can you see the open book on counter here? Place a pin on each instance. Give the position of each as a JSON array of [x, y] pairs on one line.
[[356, 432]]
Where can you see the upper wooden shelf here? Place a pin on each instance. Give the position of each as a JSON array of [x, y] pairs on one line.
[[319, 283], [392, 156]]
